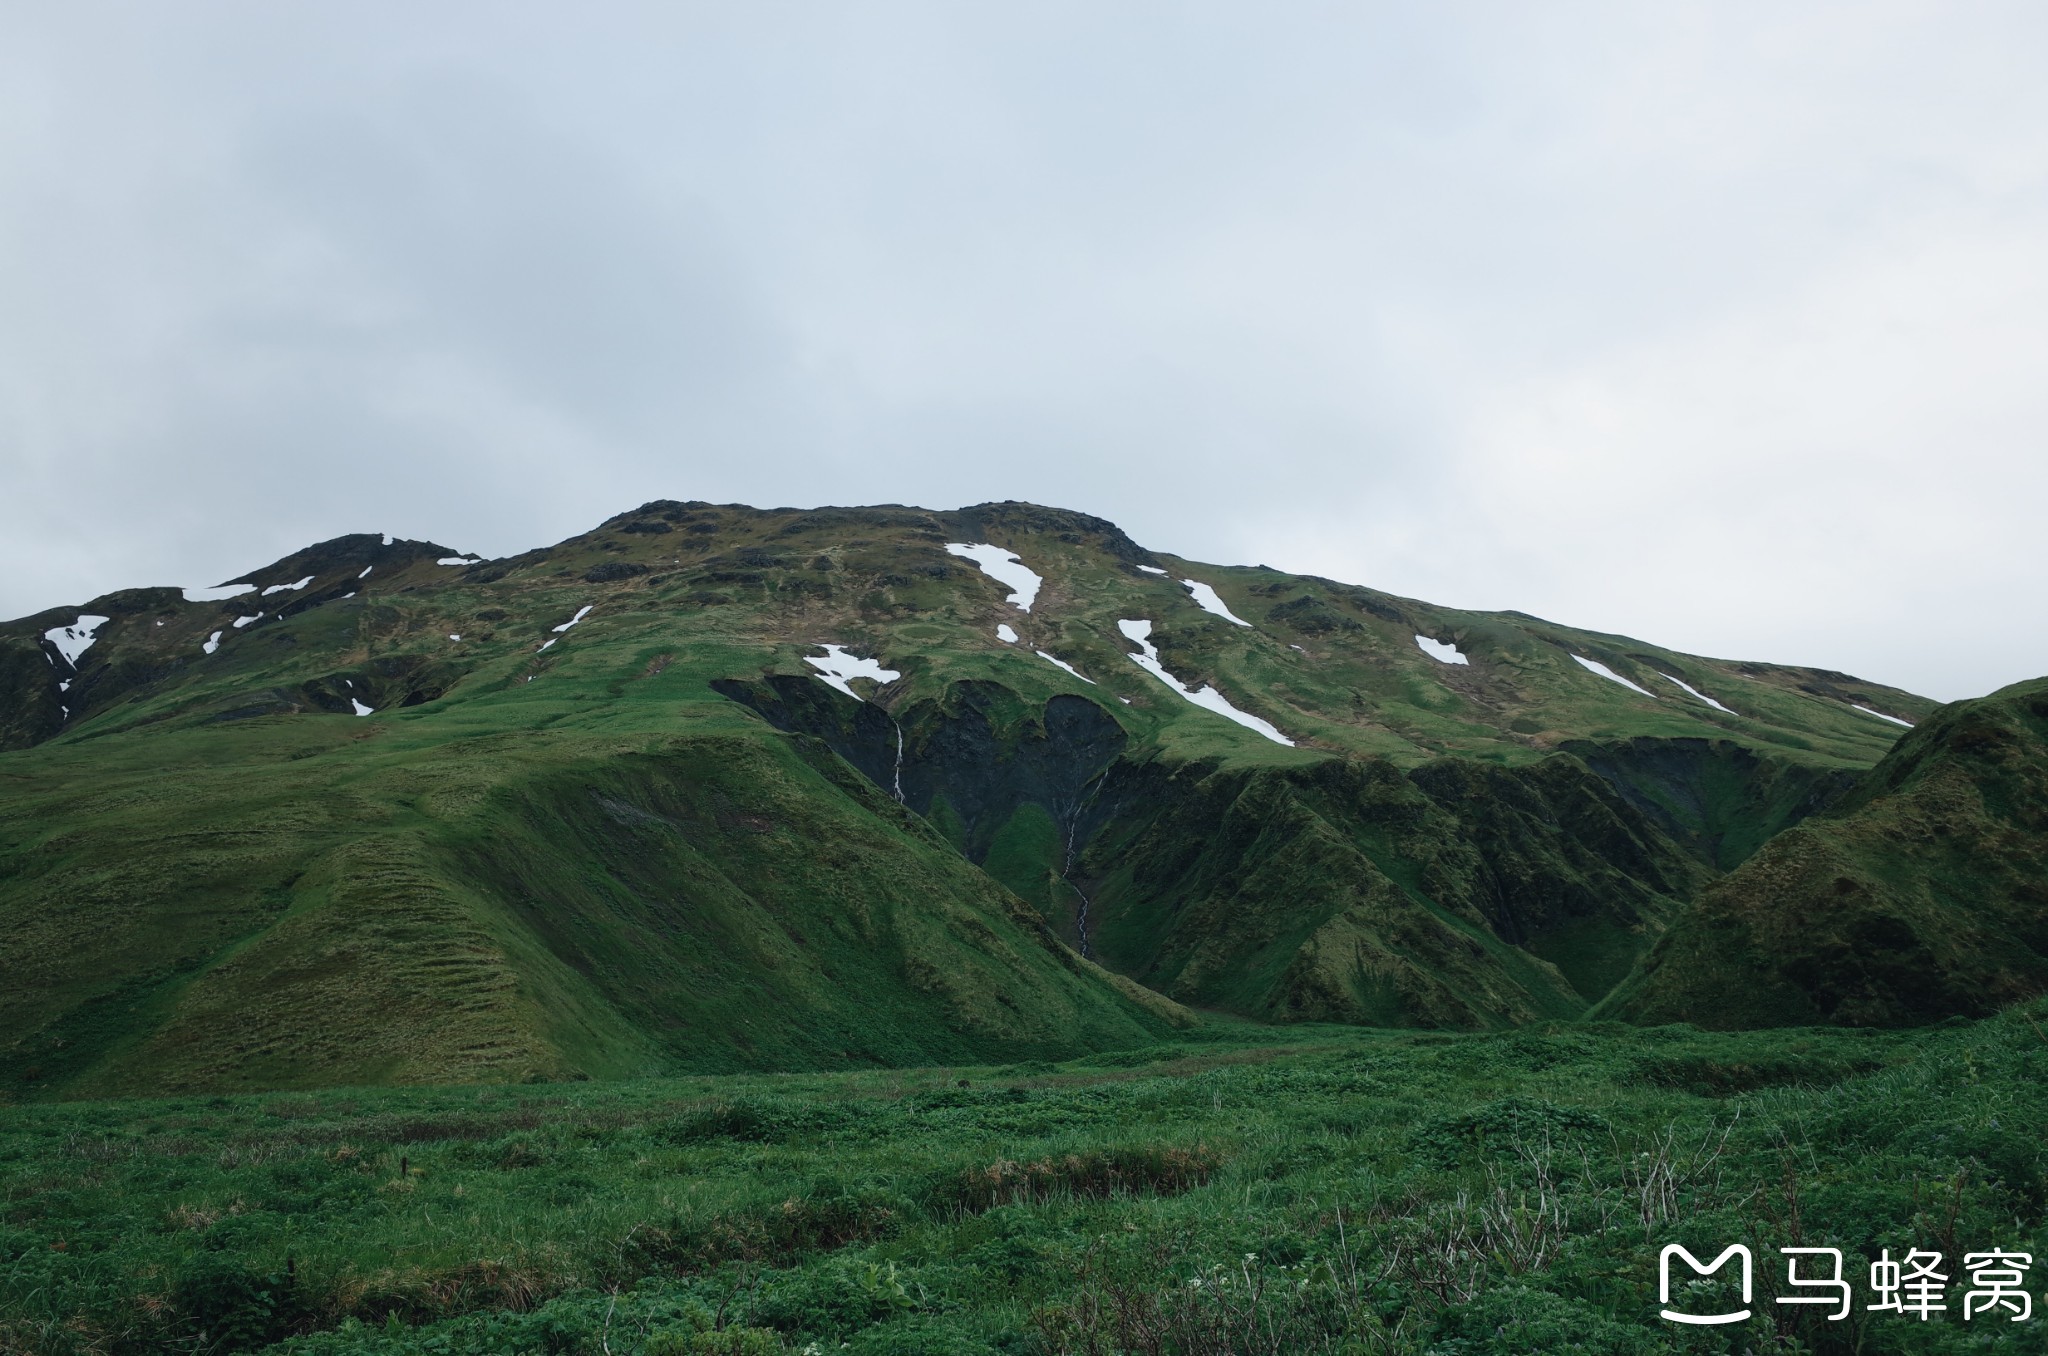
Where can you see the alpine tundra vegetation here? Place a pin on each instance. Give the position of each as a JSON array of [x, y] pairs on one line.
[[987, 934]]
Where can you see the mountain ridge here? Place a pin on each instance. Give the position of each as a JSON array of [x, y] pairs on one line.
[[591, 804]]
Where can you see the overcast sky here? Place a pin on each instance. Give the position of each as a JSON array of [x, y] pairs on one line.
[[1721, 325]]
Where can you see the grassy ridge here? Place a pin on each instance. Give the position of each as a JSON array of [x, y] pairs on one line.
[[1919, 895], [542, 855], [1338, 1191]]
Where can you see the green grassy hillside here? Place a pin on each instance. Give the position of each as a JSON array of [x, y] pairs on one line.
[[1921, 894], [588, 810]]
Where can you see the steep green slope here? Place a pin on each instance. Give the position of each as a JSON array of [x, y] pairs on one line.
[[1922, 894], [341, 907], [392, 815], [1459, 894]]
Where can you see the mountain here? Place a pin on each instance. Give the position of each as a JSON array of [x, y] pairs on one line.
[[712, 787], [1921, 894]]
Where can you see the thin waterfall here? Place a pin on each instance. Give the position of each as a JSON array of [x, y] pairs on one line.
[[899, 760], [1073, 824]]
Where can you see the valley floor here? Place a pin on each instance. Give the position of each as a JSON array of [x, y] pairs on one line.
[[1257, 1190]]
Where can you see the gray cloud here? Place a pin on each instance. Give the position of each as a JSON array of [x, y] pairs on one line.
[[1719, 325]]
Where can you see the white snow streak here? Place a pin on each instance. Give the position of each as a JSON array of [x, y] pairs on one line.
[[1151, 569], [1209, 698], [361, 709], [1055, 659], [1206, 599], [74, 640], [366, 572], [838, 667], [458, 560], [1006, 634], [241, 622], [212, 643], [1004, 567], [219, 593], [580, 615], [544, 644], [1595, 666], [287, 588], [453, 636], [1693, 691], [1882, 716], [1442, 651]]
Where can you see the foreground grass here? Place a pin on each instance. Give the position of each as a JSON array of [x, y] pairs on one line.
[[1340, 1191]]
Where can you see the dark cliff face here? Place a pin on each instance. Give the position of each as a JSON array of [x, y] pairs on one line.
[[1460, 894], [969, 761]]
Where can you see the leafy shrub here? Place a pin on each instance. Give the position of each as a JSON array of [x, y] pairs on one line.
[[230, 1307], [715, 1342], [1517, 1319], [1444, 1141], [840, 1298], [741, 1119]]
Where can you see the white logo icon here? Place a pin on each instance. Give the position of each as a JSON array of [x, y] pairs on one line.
[[1701, 1269]]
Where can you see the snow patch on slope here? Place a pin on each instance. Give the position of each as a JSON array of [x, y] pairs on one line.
[[1595, 666], [241, 622], [1206, 599], [1004, 567], [1151, 569], [1055, 659], [74, 640], [838, 669], [1006, 634], [1882, 716], [1442, 651], [458, 560], [287, 588], [1693, 691], [212, 643], [1140, 632], [219, 593], [581, 613], [361, 709]]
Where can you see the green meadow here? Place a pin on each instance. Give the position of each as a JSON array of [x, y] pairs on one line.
[[1242, 1189]]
